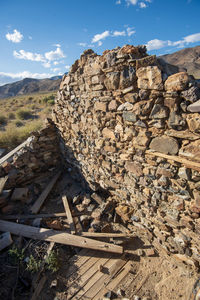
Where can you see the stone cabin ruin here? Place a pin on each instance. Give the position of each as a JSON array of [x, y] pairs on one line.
[[130, 125]]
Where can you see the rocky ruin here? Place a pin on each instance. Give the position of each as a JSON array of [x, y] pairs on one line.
[[130, 127], [118, 115]]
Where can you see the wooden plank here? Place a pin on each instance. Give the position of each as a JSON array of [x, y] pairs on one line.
[[58, 237], [189, 164], [83, 279], [39, 287], [5, 240], [43, 216], [68, 214], [11, 153], [38, 203], [114, 282], [106, 235], [2, 183], [98, 279]]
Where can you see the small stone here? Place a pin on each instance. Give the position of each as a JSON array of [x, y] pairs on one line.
[[125, 106], [102, 106], [165, 144], [107, 133], [129, 116], [150, 252], [36, 222], [134, 167], [184, 173], [112, 105], [159, 112], [195, 107], [54, 283], [192, 94]]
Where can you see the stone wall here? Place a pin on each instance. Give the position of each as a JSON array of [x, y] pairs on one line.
[[112, 112], [40, 154]]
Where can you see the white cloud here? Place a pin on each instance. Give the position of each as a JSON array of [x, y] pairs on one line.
[[142, 5], [100, 43], [55, 70], [118, 2], [56, 63], [30, 37], [100, 36], [133, 2], [26, 74], [15, 37], [158, 44], [119, 33], [82, 44], [54, 55], [47, 65], [130, 31], [67, 67], [22, 54], [57, 45]]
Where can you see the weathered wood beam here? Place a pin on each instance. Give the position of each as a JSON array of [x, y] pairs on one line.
[[38, 203], [43, 216], [11, 153], [56, 236], [68, 214], [189, 164]]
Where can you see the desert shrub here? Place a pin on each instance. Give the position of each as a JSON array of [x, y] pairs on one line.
[[51, 102], [13, 136], [19, 123], [11, 116], [30, 98], [24, 114], [48, 98], [3, 120]]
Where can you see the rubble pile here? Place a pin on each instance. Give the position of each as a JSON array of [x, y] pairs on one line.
[[39, 154], [132, 129]]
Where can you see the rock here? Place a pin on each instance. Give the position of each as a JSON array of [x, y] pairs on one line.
[[175, 121], [129, 116], [165, 145], [150, 252], [191, 150], [102, 106], [112, 80], [185, 134], [109, 134], [8, 209], [192, 94], [193, 121], [159, 112], [112, 105], [20, 194], [134, 167], [125, 106], [184, 173], [149, 78], [195, 107], [177, 82], [5, 240]]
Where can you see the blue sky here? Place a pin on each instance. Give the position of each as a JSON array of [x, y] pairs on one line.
[[42, 38]]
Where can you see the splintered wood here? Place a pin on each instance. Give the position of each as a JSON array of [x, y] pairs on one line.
[[92, 274], [56, 236]]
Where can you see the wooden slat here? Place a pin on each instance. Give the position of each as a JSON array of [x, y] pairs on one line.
[[114, 282], [39, 287], [11, 153], [68, 214], [105, 235], [98, 279], [38, 203], [57, 237], [2, 183], [83, 279], [189, 164], [34, 216]]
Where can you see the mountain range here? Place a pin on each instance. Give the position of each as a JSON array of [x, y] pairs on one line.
[[185, 59], [29, 86]]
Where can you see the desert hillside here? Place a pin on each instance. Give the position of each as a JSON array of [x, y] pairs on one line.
[[188, 58]]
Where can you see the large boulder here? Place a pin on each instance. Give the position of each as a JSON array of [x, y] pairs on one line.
[[177, 82], [149, 78]]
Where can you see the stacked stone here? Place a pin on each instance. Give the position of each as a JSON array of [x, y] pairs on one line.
[[40, 154], [110, 110]]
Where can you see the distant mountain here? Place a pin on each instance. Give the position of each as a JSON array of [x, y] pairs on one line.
[[186, 59], [30, 85]]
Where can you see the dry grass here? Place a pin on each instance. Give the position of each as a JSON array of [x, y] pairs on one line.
[[21, 115]]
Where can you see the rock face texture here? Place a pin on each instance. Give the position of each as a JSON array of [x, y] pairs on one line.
[[110, 110]]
